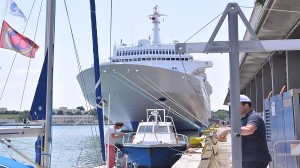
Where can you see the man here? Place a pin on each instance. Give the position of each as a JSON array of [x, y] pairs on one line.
[[255, 151], [110, 139]]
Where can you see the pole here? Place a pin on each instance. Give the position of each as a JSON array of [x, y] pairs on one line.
[[99, 105], [234, 88], [49, 45]]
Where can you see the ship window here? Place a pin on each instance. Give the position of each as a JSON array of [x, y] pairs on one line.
[[150, 51], [163, 51], [172, 59], [170, 51], [158, 58], [156, 51], [134, 52], [134, 59], [163, 58], [154, 59], [129, 59], [159, 51], [186, 59], [144, 52], [181, 59], [173, 52], [117, 53], [139, 59], [143, 59], [148, 59], [146, 128], [177, 59], [160, 129], [168, 59]]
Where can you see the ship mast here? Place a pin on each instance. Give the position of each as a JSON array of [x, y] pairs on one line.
[[155, 20]]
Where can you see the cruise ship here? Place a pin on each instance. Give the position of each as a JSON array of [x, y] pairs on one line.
[[151, 74]]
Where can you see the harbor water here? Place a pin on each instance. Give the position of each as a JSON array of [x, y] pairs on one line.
[[73, 146]]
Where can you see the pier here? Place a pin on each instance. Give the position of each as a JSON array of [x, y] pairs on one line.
[[212, 154]]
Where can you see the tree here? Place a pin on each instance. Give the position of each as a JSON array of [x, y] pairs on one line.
[[220, 114], [260, 2], [70, 113], [60, 112], [78, 113], [81, 108]]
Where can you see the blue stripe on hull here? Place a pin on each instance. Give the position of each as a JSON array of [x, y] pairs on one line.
[[155, 157]]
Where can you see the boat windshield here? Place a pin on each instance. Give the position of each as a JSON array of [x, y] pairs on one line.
[[145, 128], [160, 129]]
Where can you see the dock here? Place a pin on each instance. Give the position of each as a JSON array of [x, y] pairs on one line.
[[213, 154]]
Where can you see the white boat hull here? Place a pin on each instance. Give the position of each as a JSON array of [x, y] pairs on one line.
[[134, 88]]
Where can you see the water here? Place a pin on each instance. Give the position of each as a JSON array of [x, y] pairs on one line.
[[76, 146]]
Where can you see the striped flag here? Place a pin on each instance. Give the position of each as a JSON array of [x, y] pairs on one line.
[[11, 39], [13, 9]]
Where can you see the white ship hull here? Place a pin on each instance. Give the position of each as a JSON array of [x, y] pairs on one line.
[[135, 88]]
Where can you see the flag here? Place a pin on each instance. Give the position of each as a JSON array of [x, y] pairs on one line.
[[11, 39], [13, 9]]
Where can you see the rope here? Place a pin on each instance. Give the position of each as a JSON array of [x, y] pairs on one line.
[[203, 27], [162, 104], [72, 126], [29, 62], [77, 55], [190, 83], [172, 100]]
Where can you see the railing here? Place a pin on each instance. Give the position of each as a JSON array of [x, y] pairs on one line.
[[288, 149], [128, 138], [122, 160]]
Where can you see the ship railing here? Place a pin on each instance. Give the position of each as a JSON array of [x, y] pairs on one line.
[[179, 138], [286, 153], [122, 160]]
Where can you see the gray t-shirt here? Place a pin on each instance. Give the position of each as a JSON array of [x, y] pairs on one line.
[[254, 146], [108, 138]]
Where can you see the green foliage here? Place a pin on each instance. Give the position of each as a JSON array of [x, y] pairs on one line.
[[260, 2], [81, 108], [220, 114], [70, 113], [60, 112]]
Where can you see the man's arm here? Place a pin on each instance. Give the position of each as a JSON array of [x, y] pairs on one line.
[[248, 129], [114, 136], [245, 130]]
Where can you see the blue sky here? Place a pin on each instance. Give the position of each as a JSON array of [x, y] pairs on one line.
[[130, 23]]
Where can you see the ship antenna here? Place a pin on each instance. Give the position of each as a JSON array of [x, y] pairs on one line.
[[155, 20]]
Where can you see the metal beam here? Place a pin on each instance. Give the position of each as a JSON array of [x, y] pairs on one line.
[[243, 46], [20, 132]]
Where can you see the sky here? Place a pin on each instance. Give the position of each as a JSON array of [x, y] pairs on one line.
[[130, 22]]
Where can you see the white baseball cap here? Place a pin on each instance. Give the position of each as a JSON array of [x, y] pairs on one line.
[[244, 98]]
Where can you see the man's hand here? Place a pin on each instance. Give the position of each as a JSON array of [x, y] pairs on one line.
[[222, 134]]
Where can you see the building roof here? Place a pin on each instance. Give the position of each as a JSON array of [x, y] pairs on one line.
[[276, 20]]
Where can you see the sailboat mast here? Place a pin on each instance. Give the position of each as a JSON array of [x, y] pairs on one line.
[[99, 105], [49, 49]]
